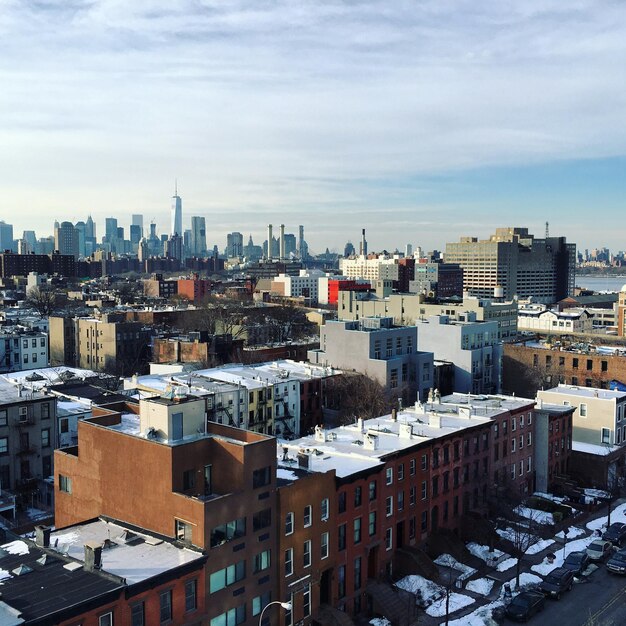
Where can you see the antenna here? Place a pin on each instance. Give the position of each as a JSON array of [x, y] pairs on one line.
[[547, 230], [175, 186]]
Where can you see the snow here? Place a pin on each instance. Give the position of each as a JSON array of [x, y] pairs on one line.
[[427, 590], [593, 448], [285, 475], [526, 579], [618, 514], [578, 545], [540, 546], [572, 531], [129, 424], [4, 574], [457, 602], [549, 496], [505, 565], [36, 514], [537, 516], [447, 560], [480, 617], [596, 493], [482, 586], [380, 621], [16, 547], [483, 553]]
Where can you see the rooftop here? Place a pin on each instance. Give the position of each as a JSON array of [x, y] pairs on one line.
[[487, 405], [586, 392], [134, 556], [11, 394]]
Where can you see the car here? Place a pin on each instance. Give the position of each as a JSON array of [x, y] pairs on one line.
[[617, 563], [615, 533], [599, 549], [557, 582], [576, 562], [525, 605]]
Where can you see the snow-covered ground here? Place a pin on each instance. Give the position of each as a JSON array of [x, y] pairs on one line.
[[540, 546], [480, 617], [506, 565], [447, 560], [483, 586], [526, 579], [426, 591], [483, 553], [572, 531], [380, 621], [572, 546], [537, 516], [457, 602], [618, 514]]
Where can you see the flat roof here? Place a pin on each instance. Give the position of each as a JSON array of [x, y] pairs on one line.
[[9, 393], [132, 555], [344, 450], [594, 448], [586, 392], [487, 404]]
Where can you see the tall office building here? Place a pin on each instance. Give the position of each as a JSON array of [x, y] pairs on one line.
[[198, 236], [6, 236], [90, 228], [66, 239], [513, 262], [81, 229], [137, 220], [234, 245], [173, 247], [177, 214], [110, 228], [135, 233]]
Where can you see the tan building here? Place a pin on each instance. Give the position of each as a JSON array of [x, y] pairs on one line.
[[108, 343], [408, 308], [621, 313]]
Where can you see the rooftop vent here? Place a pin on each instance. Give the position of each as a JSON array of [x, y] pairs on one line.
[[22, 570]]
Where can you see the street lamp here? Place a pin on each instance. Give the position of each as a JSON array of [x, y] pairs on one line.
[[285, 605]]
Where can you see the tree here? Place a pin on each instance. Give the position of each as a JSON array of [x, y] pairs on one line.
[[44, 299]]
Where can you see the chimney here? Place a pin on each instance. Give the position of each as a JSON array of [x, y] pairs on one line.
[[434, 420], [304, 460], [269, 242], [42, 536], [394, 414], [359, 424], [93, 556]]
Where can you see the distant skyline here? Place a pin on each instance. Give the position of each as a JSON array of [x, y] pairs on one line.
[[419, 122]]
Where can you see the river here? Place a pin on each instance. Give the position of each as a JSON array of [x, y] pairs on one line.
[[600, 283]]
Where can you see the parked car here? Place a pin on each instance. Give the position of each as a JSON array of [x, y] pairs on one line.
[[617, 563], [576, 562], [525, 605], [557, 582], [615, 533], [599, 549]]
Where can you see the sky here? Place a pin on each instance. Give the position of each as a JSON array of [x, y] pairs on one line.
[[420, 121]]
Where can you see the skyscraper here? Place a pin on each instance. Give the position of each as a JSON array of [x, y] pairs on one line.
[[177, 213], [66, 239], [198, 236], [234, 245], [137, 220], [6, 236]]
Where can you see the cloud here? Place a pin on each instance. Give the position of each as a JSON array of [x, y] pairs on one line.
[[252, 104]]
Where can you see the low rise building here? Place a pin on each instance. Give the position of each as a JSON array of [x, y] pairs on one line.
[[540, 319], [22, 349]]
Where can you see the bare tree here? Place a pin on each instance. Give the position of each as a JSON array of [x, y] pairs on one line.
[[44, 299]]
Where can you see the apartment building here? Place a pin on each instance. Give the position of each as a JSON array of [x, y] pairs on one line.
[[538, 318], [304, 285], [28, 435], [471, 345], [512, 262], [621, 313], [22, 349], [408, 308], [171, 472], [437, 280], [375, 347]]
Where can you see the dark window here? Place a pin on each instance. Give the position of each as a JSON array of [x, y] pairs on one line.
[[165, 605], [357, 496], [137, 614], [372, 490], [189, 479], [341, 502], [261, 477], [191, 592], [261, 519], [341, 537]]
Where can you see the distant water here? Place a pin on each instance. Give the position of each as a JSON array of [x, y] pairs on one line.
[[601, 283]]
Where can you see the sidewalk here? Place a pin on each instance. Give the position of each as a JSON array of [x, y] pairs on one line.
[[500, 578]]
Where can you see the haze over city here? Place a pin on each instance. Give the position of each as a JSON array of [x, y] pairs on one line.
[[401, 118]]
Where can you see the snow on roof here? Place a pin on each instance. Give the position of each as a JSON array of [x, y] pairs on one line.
[[139, 559], [593, 448], [488, 405], [50, 375], [585, 392], [344, 448], [72, 407], [129, 424]]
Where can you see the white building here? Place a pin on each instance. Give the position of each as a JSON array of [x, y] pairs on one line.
[[536, 317], [22, 349], [380, 268], [305, 285]]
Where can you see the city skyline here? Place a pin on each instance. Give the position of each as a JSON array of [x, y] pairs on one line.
[[398, 118]]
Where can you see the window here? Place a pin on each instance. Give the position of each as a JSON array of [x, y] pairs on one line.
[[371, 528], [233, 617], [341, 502], [513, 424], [372, 490], [389, 506], [261, 477], [529, 439], [521, 468], [412, 467], [306, 553], [401, 471], [324, 515], [529, 464], [388, 539], [357, 496], [401, 501], [191, 595], [424, 522], [260, 520], [357, 573], [165, 605], [260, 602], [189, 479], [137, 614], [530, 419], [183, 531], [289, 523], [65, 425], [341, 581], [341, 537], [3, 417], [606, 435], [583, 410], [389, 476], [424, 490], [513, 444], [4, 449], [307, 516], [65, 482], [227, 532], [45, 437], [412, 495], [424, 461], [521, 441], [521, 421], [306, 601], [227, 576], [288, 561], [106, 619], [261, 561], [324, 551], [357, 530]]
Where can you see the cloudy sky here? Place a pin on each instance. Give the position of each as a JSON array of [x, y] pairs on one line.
[[419, 121]]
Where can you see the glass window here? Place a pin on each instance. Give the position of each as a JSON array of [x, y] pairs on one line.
[[288, 561], [227, 532], [341, 537], [261, 477], [65, 482], [389, 475], [191, 595], [137, 614], [324, 509], [165, 606], [412, 467], [357, 530], [260, 602], [388, 539], [106, 619], [372, 490], [289, 523], [324, 546], [307, 515], [306, 601], [372, 523], [3, 417], [227, 576], [401, 471], [306, 553], [357, 496], [389, 506]]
